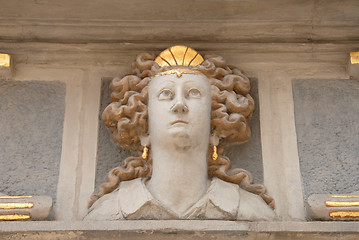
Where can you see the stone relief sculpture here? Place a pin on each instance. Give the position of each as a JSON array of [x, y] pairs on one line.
[[179, 109]]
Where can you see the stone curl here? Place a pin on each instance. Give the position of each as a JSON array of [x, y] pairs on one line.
[[127, 119]]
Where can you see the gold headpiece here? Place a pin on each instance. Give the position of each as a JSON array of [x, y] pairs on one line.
[[179, 58]]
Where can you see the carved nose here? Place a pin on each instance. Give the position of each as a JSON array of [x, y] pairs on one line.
[[179, 107]]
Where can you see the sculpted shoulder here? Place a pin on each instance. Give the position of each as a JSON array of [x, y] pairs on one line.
[[253, 208], [235, 200], [105, 208], [223, 200]]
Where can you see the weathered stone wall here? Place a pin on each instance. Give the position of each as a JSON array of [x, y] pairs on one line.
[[326, 116], [31, 123]]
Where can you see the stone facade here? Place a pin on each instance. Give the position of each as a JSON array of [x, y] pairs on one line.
[[297, 52]]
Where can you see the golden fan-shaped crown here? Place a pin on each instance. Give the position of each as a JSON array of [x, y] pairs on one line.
[[179, 56]]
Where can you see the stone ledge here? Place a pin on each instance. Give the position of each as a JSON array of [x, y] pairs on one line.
[[176, 229]]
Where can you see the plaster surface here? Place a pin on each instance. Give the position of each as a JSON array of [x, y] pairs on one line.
[[31, 122], [326, 115], [247, 155]]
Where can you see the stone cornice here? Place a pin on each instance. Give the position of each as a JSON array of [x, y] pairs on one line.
[[210, 31]]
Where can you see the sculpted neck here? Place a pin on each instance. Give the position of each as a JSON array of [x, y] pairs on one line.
[[179, 178]]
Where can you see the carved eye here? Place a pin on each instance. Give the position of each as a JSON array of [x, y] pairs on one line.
[[194, 93], [165, 94]]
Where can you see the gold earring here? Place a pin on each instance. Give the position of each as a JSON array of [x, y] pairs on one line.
[[214, 154], [145, 153]]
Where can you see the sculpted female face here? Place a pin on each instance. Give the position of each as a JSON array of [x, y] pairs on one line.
[[173, 112], [179, 110]]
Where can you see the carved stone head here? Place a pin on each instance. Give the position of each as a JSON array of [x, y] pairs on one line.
[[180, 99]]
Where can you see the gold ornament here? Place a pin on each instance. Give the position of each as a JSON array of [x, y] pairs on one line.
[[341, 204], [344, 196], [14, 217], [145, 153], [178, 71], [214, 154], [179, 56], [14, 197], [344, 214], [16, 205]]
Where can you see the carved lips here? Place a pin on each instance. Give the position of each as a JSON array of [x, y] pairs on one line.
[[178, 121]]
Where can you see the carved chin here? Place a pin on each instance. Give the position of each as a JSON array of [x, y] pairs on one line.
[[181, 140]]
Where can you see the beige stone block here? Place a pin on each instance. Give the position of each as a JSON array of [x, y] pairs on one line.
[[333, 207], [25, 207]]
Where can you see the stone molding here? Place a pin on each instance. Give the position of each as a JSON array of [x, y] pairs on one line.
[[166, 21], [135, 31], [177, 229]]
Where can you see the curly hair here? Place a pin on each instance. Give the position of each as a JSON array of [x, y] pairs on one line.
[[127, 119]]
